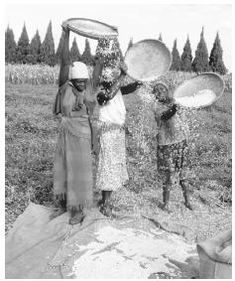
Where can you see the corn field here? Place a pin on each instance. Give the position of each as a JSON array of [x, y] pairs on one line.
[[31, 74], [44, 74]]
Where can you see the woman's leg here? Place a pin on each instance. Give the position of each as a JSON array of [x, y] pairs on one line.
[[107, 196], [185, 187], [105, 207], [77, 215], [61, 199], [184, 170], [166, 191]]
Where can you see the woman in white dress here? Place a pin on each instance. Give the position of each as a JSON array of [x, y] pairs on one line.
[[111, 168]]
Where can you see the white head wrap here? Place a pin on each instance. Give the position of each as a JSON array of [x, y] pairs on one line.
[[78, 71]]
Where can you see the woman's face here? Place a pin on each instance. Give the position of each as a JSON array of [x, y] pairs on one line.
[[79, 84], [161, 92]]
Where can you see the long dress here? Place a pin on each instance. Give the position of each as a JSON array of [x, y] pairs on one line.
[[111, 167], [73, 162]]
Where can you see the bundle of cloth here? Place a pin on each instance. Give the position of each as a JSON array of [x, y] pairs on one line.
[[215, 256]]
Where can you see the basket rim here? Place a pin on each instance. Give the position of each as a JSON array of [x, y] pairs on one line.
[[82, 33], [218, 96], [146, 40]]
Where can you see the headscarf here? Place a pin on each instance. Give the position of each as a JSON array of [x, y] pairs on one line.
[[77, 71]]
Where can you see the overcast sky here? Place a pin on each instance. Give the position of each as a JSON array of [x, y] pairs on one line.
[[140, 20]]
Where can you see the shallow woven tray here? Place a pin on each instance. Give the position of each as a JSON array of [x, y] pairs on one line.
[[147, 59], [91, 28], [209, 80]]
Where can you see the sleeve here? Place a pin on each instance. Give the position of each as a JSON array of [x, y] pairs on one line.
[[166, 115], [57, 103], [65, 59], [68, 101], [97, 72], [90, 99], [130, 88], [157, 116]]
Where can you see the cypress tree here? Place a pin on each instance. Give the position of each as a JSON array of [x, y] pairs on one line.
[[34, 49], [10, 46], [216, 57], [175, 65], [200, 62], [160, 37], [86, 56], [59, 49], [186, 57], [47, 50], [23, 47], [74, 51], [130, 43]]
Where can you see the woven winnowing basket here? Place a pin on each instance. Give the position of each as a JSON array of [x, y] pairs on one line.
[[91, 28], [147, 59], [215, 256], [208, 80]]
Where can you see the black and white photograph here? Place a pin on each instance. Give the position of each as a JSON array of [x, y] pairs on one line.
[[118, 139]]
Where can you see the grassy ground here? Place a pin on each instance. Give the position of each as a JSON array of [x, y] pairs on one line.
[[31, 133]]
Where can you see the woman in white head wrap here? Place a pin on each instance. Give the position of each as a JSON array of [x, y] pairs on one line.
[[73, 179]]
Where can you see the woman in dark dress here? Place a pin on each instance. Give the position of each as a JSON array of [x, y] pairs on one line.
[[74, 102]]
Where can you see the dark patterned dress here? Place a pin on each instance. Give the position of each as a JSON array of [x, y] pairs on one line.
[[172, 153]]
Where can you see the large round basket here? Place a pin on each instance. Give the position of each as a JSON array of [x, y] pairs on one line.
[[91, 28], [147, 59], [205, 89]]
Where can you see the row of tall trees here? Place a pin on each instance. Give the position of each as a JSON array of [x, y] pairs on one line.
[[202, 62], [35, 51], [30, 52]]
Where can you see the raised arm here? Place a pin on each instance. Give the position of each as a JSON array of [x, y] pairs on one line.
[[166, 115], [65, 58], [99, 64], [130, 88], [103, 97]]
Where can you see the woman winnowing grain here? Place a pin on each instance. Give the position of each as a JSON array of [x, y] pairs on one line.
[[111, 166], [75, 102], [172, 151]]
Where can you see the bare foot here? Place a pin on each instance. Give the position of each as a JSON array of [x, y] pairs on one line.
[[77, 218], [189, 206], [106, 210], [165, 207]]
